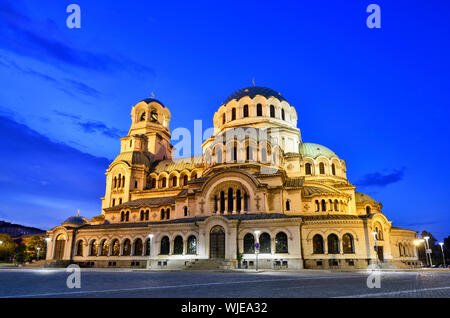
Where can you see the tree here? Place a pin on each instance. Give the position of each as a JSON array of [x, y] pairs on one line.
[[6, 248], [436, 254], [31, 248]]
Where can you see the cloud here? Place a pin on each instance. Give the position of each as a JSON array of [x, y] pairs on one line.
[[44, 42], [92, 126], [381, 180], [43, 181], [66, 85]]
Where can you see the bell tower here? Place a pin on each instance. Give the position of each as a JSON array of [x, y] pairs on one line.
[[150, 118]]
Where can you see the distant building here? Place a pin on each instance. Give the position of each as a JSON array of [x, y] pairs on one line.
[[257, 187]]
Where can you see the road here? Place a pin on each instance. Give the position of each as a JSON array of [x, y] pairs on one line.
[[99, 283]]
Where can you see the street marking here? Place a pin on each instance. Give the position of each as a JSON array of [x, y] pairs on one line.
[[395, 292]]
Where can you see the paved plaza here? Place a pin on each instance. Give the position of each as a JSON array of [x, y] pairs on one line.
[[126, 283]]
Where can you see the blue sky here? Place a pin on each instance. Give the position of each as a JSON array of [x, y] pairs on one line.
[[378, 97]]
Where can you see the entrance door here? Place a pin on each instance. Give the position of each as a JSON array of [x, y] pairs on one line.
[[217, 242], [380, 253], [59, 247]]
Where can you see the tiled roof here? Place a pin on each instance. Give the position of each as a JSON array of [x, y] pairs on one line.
[[361, 198], [133, 157], [145, 202], [150, 100], [294, 182], [252, 91], [179, 164], [321, 217], [310, 190]]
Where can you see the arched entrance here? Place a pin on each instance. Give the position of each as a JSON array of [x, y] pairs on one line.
[[217, 242], [59, 246]]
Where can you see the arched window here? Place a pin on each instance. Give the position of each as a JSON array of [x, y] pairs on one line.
[[115, 182], [147, 212], [162, 214], [259, 110], [126, 248], [333, 244], [138, 247], [79, 248], [122, 216], [238, 201], [367, 209], [222, 201], [147, 247], [324, 206], [165, 246], [272, 111], [115, 248], [93, 248], [282, 114], [163, 182], [333, 169], [245, 110], [347, 244], [317, 205], [178, 245], [127, 216], [105, 248], [123, 181], [233, 114], [230, 200], [191, 245], [336, 205], [265, 243], [281, 243], [167, 214], [317, 244], [321, 168], [185, 211], [174, 181], [142, 116], [142, 215], [400, 249], [119, 180], [308, 170], [249, 244], [288, 205], [185, 180], [249, 153], [224, 119], [234, 153]]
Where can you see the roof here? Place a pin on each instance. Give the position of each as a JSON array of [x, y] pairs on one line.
[[179, 164], [310, 190], [133, 157], [330, 217], [252, 91], [76, 220], [146, 202], [362, 198], [312, 150], [294, 182], [151, 100]]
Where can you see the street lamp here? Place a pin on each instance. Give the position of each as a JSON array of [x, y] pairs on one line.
[[442, 249], [257, 247], [38, 249], [375, 245], [428, 251], [150, 236]]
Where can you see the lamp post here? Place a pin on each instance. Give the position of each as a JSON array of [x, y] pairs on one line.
[[375, 246], [257, 247], [442, 249], [428, 251], [47, 239], [38, 250]]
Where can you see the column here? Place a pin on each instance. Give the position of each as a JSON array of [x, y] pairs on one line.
[[243, 204], [226, 204], [234, 204]]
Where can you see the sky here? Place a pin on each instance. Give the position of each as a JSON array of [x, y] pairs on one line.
[[379, 98]]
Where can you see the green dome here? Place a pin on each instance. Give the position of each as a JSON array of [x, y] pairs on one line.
[[133, 157], [362, 198], [308, 149]]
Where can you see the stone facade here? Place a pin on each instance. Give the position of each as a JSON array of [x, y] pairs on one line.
[[258, 196]]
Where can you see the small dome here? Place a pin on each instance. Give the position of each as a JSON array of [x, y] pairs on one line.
[[133, 157], [76, 220], [315, 150], [252, 91], [363, 198], [151, 100]]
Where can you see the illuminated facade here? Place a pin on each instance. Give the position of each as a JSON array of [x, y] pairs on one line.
[[256, 182]]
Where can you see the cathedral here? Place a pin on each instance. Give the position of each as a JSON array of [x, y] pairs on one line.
[[258, 197]]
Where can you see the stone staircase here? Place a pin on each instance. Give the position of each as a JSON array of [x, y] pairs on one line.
[[211, 264]]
